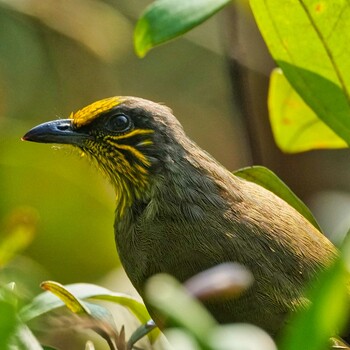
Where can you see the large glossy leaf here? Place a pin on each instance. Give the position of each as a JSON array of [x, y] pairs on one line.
[[295, 126], [164, 20], [309, 40], [328, 311], [267, 179]]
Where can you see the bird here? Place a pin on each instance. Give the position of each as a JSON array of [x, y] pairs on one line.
[[179, 211]]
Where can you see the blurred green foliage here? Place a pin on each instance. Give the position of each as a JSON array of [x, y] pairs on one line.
[[58, 57]]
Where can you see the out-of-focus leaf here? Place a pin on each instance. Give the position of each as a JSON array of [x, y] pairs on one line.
[[174, 303], [181, 339], [221, 281], [8, 323], [89, 345], [20, 228], [267, 179], [13, 334], [101, 319], [71, 301], [140, 332], [24, 339], [164, 20], [295, 126], [309, 40], [46, 302], [78, 20], [7, 294], [328, 311], [240, 336], [104, 316]]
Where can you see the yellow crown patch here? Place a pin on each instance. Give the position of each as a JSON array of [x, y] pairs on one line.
[[87, 114]]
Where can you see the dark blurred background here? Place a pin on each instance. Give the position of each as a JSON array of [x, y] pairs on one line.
[[58, 56]]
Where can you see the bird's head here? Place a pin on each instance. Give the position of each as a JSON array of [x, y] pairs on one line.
[[130, 139]]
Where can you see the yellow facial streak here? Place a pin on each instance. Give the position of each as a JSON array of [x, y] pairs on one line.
[[114, 142], [136, 153], [87, 114], [133, 133]]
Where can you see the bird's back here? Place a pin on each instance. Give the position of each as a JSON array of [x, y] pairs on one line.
[[207, 216]]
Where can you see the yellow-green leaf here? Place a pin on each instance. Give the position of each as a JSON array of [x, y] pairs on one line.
[[309, 40], [71, 301], [295, 126], [47, 302]]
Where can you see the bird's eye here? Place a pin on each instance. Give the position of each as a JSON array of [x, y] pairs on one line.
[[119, 122]]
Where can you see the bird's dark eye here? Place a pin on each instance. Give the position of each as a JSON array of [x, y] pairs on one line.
[[119, 123]]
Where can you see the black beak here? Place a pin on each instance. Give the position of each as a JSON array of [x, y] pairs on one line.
[[56, 131]]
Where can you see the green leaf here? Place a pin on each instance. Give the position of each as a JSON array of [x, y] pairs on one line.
[[267, 179], [71, 301], [46, 302], [309, 40], [24, 339], [8, 294], [8, 323], [164, 20], [173, 302], [327, 313], [296, 128], [140, 332], [102, 321]]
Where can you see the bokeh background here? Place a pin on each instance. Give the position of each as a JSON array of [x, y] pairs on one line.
[[58, 56]]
